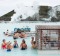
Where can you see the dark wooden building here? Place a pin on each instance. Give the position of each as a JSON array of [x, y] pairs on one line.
[[48, 37]]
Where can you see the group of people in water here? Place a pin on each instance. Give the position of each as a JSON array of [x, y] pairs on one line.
[[19, 35], [23, 46], [16, 34], [7, 33]]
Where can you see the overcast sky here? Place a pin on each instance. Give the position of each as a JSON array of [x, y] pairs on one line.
[[8, 5]]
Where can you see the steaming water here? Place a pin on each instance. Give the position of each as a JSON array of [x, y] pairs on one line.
[[15, 52], [29, 51], [25, 11]]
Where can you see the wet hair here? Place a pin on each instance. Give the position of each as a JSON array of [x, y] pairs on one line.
[[15, 33], [32, 37], [19, 32], [7, 30], [34, 42], [23, 41], [3, 40], [15, 41], [4, 32]]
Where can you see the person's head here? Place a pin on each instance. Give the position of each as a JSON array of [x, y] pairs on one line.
[[14, 33], [34, 42], [7, 29], [3, 40], [32, 38], [15, 41], [9, 43], [20, 32], [23, 41], [4, 32]]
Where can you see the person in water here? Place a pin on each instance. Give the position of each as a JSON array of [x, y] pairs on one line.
[[15, 45], [9, 46], [23, 45], [16, 35], [7, 32], [32, 40], [33, 43], [22, 35], [4, 44]]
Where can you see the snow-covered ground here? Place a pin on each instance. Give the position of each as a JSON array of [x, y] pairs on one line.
[[25, 11], [25, 8]]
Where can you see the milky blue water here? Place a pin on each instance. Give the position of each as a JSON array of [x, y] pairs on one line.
[[18, 51]]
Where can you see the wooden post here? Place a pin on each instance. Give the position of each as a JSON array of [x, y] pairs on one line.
[[58, 39], [37, 38], [40, 39]]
